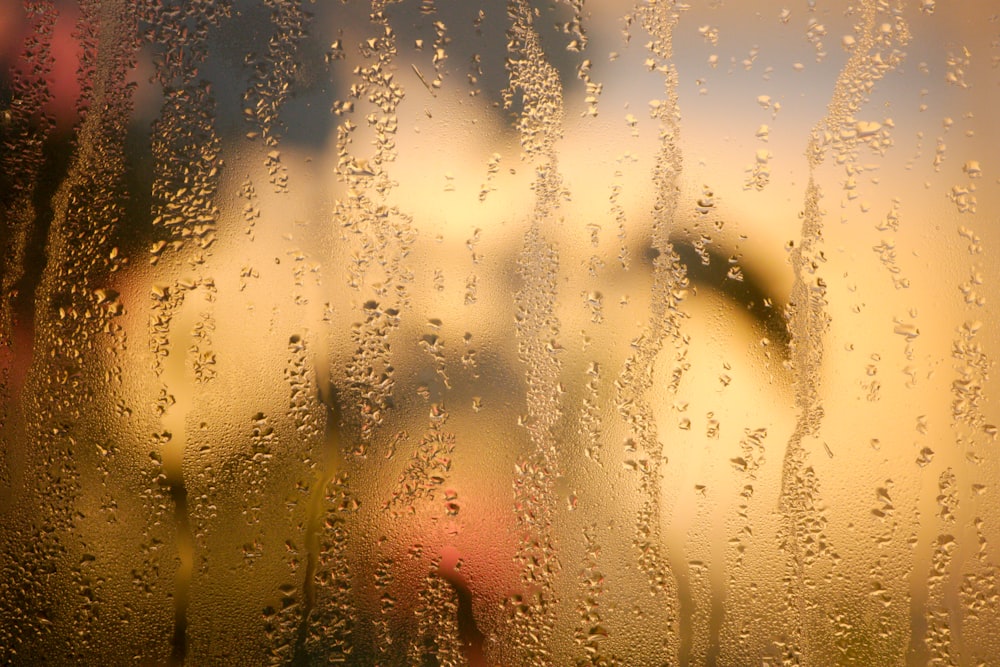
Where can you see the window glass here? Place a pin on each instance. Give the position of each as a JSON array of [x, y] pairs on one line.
[[499, 333]]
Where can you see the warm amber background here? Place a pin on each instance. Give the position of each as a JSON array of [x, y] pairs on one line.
[[306, 358]]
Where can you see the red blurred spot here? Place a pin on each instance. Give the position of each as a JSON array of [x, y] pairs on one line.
[[64, 82]]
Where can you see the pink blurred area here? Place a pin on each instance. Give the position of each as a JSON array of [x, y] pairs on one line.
[[16, 26]]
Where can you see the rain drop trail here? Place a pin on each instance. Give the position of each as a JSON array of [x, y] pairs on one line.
[[808, 323], [333, 464], [538, 330], [174, 419], [473, 639], [666, 569]]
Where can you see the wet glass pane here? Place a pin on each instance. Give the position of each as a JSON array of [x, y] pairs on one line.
[[499, 333]]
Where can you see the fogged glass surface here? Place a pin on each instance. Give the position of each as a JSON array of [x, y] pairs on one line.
[[500, 333]]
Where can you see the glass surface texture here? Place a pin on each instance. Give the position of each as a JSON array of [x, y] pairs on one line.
[[499, 333]]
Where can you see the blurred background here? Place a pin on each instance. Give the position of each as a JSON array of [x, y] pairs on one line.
[[499, 333]]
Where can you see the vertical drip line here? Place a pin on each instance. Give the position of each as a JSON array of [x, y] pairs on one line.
[[185, 147], [636, 377], [26, 131], [174, 440], [60, 386], [807, 323], [534, 78], [333, 465], [802, 523], [383, 236]]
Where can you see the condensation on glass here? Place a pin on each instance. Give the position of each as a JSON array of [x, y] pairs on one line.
[[503, 333]]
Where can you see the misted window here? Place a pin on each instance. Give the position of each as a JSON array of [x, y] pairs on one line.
[[441, 332]]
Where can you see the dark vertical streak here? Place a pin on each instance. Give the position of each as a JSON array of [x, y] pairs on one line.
[[922, 536], [58, 153], [472, 637], [718, 615], [685, 605], [334, 463], [182, 588]]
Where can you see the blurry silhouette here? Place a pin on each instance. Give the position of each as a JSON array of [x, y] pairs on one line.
[[496, 333]]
